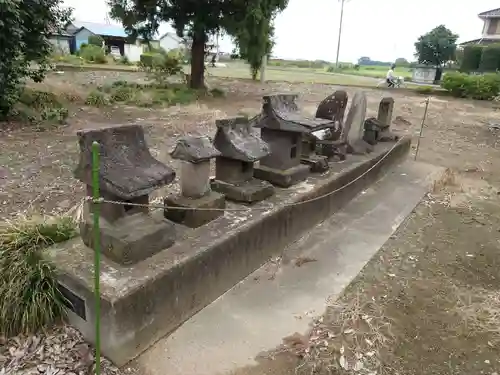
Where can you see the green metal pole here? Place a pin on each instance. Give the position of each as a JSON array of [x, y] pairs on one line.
[[97, 253]]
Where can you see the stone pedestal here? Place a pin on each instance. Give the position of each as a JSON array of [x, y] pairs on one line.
[[234, 179], [196, 198], [130, 239], [282, 178], [192, 217]]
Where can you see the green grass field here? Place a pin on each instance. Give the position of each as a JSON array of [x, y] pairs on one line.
[[362, 77]]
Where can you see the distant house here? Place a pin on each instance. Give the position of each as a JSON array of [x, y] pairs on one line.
[[170, 41], [61, 42], [113, 36], [491, 28]]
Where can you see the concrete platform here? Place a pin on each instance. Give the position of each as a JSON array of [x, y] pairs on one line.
[[143, 303], [274, 302]]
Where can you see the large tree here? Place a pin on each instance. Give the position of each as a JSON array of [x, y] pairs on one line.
[[436, 47], [254, 34], [195, 18], [25, 28]]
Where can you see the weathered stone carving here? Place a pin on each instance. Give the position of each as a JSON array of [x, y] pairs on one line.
[[385, 110], [234, 168], [330, 143], [283, 128], [195, 154], [378, 130], [128, 173], [353, 130]]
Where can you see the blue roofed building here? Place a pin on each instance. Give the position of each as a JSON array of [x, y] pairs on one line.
[[114, 36]]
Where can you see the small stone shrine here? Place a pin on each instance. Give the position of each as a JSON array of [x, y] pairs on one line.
[[195, 154], [234, 168], [329, 143], [377, 129], [354, 126], [128, 173], [283, 127]]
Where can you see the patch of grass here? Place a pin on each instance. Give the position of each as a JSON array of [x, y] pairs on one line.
[[122, 94], [96, 99], [40, 107], [424, 90], [29, 296], [217, 92]]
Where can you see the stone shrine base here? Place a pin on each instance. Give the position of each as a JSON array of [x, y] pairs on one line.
[[281, 178], [130, 239], [142, 303], [249, 191], [195, 218]]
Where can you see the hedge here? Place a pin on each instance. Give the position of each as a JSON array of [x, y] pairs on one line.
[[480, 87], [471, 58]]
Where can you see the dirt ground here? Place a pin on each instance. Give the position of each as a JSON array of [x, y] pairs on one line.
[[428, 303]]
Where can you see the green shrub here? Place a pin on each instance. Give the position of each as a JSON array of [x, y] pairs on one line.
[[38, 106], [490, 59], [160, 67], [95, 40], [30, 299], [96, 99], [122, 94], [93, 54], [471, 58], [481, 87]]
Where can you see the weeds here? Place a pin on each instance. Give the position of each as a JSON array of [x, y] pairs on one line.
[[96, 99], [29, 296]]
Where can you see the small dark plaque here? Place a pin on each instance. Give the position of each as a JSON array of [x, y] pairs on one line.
[[73, 302]]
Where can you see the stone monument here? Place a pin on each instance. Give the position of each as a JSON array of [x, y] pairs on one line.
[[195, 154], [378, 129], [283, 128], [353, 131], [128, 173], [329, 143], [234, 168]]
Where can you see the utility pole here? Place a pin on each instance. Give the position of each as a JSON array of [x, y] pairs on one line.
[[340, 32]]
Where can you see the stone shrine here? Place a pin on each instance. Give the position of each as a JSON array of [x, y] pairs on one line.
[[195, 154], [234, 168], [127, 173], [283, 128]]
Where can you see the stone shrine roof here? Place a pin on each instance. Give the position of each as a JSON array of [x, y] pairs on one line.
[[194, 149], [235, 140], [127, 168], [280, 112]]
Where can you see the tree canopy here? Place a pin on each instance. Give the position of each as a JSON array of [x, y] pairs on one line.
[[198, 19], [25, 28], [436, 47], [253, 35]]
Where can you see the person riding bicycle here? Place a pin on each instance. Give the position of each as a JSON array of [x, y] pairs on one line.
[[390, 76]]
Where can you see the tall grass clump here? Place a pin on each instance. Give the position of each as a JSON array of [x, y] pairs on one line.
[[29, 296]]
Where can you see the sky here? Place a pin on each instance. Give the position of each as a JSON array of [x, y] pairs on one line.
[[380, 29]]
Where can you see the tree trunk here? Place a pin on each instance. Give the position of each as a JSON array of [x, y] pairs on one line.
[[198, 61]]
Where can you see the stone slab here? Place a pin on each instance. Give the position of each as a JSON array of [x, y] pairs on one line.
[[130, 239], [316, 163], [195, 218], [142, 304], [249, 191], [282, 178], [272, 302]]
